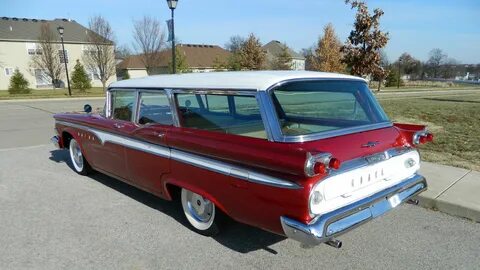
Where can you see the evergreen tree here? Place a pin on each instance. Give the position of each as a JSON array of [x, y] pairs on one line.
[[180, 61], [252, 56], [392, 79], [126, 76], [328, 56], [283, 60], [18, 84], [80, 79]]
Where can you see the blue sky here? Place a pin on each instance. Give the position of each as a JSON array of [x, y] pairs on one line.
[[415, 26]]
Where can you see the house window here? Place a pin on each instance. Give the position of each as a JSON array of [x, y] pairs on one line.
[[9, 71], [41, 77], [33, 48], [61, 55], [94, 74]]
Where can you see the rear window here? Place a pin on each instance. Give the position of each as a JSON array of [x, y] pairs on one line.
[[319, 106], [239, 115]]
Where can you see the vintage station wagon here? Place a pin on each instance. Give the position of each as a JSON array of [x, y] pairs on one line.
[[307, 155]]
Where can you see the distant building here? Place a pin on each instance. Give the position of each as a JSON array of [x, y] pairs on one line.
[[19, 42], [274, 47], [199, 58]]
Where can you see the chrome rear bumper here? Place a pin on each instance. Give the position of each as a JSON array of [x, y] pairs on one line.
[[56, 141], [330, 225]]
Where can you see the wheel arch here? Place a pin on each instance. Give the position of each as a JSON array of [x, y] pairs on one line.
[[174, 186]]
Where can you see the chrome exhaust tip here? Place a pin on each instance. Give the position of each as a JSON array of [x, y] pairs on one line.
[[334, 243], [413, 201]]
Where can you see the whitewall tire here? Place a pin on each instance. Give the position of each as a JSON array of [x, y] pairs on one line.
[[79, 163], [200, 213]]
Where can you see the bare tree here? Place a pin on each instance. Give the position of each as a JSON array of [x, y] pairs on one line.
[[235, 43], [122, 52], [46, 55], [149, 39], [436, 58], [99, 56]]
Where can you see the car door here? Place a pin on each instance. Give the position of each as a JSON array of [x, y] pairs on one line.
[[148, 162], [108, 153]]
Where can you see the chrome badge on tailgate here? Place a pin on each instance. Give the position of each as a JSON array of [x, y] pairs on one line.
[[376, 158]]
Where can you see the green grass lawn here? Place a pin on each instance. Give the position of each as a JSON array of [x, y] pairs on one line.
[[454, 120], [54, 93]]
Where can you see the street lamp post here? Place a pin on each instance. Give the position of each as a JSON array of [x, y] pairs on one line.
[[172, 4], [398, 78], [60, 31]]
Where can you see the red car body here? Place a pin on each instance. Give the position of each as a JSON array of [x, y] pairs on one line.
[[159, 158]]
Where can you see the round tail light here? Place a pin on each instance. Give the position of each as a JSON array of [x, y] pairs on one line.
[[320, 168], [334, 163], [429, 137]]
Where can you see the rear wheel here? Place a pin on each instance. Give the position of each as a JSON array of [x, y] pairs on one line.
[[200, 213], [79, 162]]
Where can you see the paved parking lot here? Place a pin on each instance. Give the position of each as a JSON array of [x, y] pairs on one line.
[[52, 218]]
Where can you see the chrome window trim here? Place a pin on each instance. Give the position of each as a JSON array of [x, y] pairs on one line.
[[186, 157], [159, 91], [275, 122]]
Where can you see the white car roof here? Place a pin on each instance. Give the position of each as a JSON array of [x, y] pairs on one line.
[[238, 80]]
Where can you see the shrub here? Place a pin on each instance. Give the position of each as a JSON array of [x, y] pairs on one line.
[[80, 79], [126, 76], [392, 79], [18, 84]]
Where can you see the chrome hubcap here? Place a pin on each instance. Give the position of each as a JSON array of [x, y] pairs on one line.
[[76, 154], [200, 208]]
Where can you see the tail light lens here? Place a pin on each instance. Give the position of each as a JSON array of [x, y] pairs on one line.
[[320, 164], [422, 137], [320, 168], [334, 163]]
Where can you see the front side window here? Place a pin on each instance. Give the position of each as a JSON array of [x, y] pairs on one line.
[[123, 103], [320, 106], [154, 108], [239, 115]]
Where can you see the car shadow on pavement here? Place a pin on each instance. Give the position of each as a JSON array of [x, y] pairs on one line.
[[235, 236]]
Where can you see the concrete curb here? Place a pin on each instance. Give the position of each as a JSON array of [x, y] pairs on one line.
[[451, 190], [48, 99]]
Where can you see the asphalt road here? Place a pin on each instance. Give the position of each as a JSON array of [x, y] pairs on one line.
[[52, 218]]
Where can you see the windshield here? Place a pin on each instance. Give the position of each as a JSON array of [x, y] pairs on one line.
[[320, 106]]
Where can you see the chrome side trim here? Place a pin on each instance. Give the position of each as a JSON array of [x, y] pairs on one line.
[[192, 159], [332, 224], [231, 170], [104, 137]]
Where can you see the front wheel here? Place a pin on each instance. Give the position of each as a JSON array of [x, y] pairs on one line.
[[79, 162], [200, 213]]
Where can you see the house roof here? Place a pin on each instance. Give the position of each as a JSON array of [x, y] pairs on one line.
[[23, 29], [238, 80], [196, 55], [274, 48]]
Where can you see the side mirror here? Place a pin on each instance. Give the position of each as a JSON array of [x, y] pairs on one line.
[[87, 108]]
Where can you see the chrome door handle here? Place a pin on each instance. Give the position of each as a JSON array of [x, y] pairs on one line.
[[116, 125]]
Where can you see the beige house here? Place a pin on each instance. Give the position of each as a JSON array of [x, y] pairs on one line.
[[19, 43], [198, 57], [274, 47]]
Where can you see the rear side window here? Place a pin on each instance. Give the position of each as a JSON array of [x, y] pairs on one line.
[[239, 115], [123, 103], [322, 106], [154, 108]]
